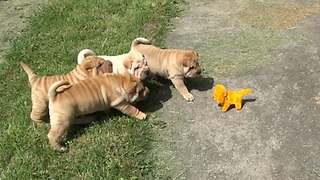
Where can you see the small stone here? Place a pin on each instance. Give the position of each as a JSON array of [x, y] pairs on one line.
[[19, 8]]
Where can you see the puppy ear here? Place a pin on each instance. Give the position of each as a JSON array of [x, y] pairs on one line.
[[132, 87], [87, 63], [130, 83], [127, 63], [188, 59]]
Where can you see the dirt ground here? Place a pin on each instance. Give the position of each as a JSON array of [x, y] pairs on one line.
[[13, 19], [271, 47]]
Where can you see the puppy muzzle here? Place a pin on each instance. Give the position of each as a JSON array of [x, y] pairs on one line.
[[142, 72], [194, 72]]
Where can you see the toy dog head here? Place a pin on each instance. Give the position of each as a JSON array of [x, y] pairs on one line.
[[220, 93]]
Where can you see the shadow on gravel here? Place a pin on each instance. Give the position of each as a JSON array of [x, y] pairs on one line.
[[200, 83], [161, 92], [244, 101]]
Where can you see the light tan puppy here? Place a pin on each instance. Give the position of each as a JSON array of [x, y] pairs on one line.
[[91, 66], [132, 62], [172, 64], [91, 95]]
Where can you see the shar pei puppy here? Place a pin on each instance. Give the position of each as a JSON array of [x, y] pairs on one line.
[[173, 64], [110, 90], [133, 62], [91, 66]]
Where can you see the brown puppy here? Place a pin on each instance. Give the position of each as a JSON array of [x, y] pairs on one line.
[[132, 62], [172, 64], [91, 95], [91, 66]]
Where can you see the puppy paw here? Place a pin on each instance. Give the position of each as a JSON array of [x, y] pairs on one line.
[[141, 116], [188, 97], [62, 149], [40, 124], [59, 148]]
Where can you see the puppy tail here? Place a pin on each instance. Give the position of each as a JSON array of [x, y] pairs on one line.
[[32, 77], [245, 91], [140, 40], [83, 53], [56, 88]]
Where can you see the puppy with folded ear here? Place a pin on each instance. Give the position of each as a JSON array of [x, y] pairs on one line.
[[98, 93], [173, 64], [96, 65], [133, 62], [91, 66], [226, 98]]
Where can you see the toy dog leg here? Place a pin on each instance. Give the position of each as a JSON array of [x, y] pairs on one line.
[[225, 107], [238, 106]]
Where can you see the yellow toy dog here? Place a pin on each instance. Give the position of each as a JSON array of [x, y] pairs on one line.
[[226, 98]]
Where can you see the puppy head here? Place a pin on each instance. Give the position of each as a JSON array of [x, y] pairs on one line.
[[220, 93], [134, 88], [91, 63], [137, 64], [190, 63]]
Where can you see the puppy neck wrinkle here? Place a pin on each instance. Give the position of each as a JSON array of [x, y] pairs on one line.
[[79, 74]]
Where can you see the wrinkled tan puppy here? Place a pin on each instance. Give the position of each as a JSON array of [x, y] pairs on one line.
[[132, 62], [173, 64], [91, 66], [91, 95]]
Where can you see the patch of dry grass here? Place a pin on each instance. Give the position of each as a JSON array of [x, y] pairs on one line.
[[282, 16]]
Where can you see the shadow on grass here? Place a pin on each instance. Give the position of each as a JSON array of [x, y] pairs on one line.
[[76, 130]]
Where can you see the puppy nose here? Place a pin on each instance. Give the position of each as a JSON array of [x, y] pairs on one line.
[[199, 71]]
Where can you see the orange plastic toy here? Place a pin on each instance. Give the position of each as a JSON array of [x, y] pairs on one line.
[[226, 98]]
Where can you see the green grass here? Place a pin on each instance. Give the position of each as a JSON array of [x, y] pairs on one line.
[[116, 147]]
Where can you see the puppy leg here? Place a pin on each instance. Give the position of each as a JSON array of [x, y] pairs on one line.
[[59, 126], [130, 110], [181, 87], [40, 111]]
